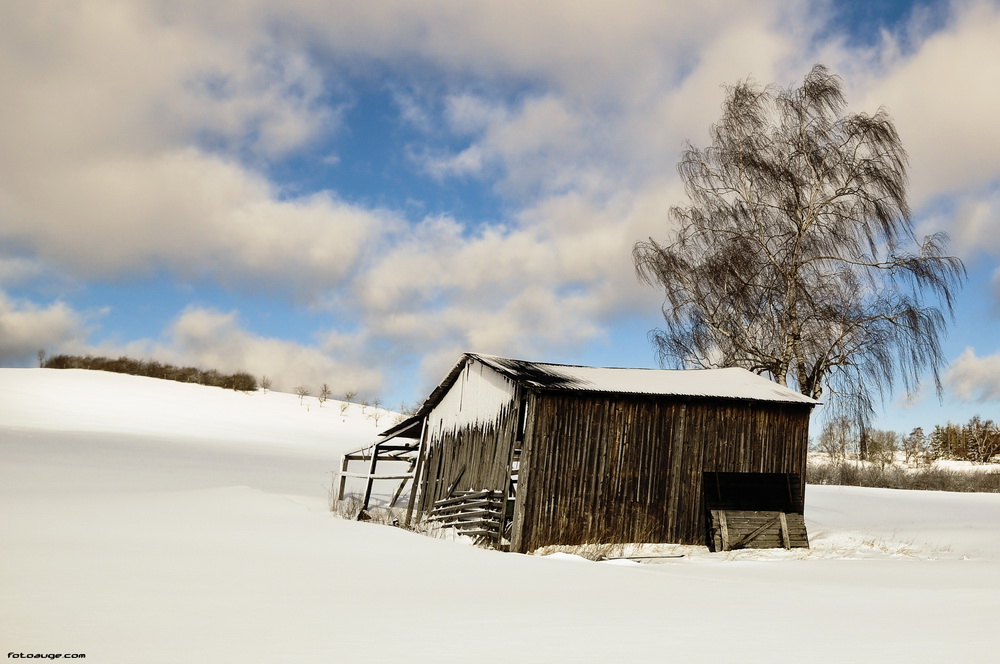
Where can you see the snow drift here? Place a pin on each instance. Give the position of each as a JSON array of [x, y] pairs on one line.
[[147, 521]]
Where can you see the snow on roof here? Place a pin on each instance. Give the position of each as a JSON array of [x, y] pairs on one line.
[[730, 383]]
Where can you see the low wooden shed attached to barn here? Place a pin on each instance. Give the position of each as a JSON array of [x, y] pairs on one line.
[[533, 454]]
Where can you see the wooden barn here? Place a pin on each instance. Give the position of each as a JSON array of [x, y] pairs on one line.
[[527, 454]]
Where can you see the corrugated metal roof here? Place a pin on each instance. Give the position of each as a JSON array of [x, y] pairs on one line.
[[730, 383]]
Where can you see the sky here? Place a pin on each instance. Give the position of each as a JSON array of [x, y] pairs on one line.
[[356, 193]]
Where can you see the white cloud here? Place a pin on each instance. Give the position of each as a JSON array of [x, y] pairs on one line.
[[212, 339], [26, 328], [193, 213], [974, 378], [486, 293], [471, 114], [104, 77], [468, 162], [943, 99], [972, 220], [413, 110], [540, 286], [16, 270], [101, 170], [143, 132]]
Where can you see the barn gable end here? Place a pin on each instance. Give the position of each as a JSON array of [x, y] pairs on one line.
[[469, 434]]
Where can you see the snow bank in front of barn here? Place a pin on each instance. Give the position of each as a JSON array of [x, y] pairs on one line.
[[141, 539], [853, 523]]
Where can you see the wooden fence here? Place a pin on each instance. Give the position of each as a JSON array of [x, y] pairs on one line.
[[477, 514]]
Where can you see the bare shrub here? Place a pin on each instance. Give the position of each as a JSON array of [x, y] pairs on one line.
[[837, 438], [850, 473], [349, 396], [377, 412], [882, 446], [240, 381], [350, 508], [595, 551], [405, 411]]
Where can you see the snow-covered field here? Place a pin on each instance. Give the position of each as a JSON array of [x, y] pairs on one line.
[[147, 521]]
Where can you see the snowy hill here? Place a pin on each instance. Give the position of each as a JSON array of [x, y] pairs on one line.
[[147, 521], [98, 401]]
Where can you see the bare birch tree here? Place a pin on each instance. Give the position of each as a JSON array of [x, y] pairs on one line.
[[796, 257]]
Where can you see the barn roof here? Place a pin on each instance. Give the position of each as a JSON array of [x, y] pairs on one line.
[[730, 383]]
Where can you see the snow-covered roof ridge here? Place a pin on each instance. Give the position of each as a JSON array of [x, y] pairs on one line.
[[728, 383]]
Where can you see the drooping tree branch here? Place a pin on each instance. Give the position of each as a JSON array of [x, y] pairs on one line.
[[795, 256]]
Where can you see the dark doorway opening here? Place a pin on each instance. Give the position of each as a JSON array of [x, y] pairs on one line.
[[772, 492], [754, 510]]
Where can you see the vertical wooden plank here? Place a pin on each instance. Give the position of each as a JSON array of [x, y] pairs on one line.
[[402, 484], [698, 527], [783, 530], [723, 530], [432, 479], [679, 437], [516, 417], [371, 471], [524, 486], [343, 479], [417, 479]]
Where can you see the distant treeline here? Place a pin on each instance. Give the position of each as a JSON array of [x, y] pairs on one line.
[[240, 381], [854, 473]]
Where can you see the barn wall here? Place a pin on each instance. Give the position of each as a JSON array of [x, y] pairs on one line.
[[469, 434], [616, 468]]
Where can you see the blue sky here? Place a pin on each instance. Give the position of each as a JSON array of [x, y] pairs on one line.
[[355, 193]]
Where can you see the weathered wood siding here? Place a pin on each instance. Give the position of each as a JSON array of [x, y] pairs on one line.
[[469, 435], [620, 468]]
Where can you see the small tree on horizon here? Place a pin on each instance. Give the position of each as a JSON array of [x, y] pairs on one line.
[[377, 411], [837, 438], [349, 396], [915, 446], [376, 415], [882, 446]]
